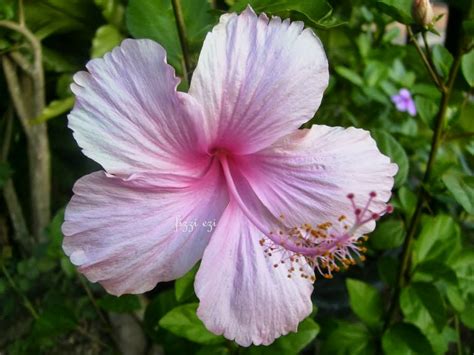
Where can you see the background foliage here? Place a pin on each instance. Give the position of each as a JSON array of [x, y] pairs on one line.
[[415, 292]]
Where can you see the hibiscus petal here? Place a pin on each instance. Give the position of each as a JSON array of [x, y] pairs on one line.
[[307, 176], [248, 300], [258, 80], [128, 115], [128, 237]]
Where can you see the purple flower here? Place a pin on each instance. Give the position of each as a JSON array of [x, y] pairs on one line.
[[404, 102]]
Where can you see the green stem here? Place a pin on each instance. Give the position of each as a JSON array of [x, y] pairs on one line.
[[26, 302], [458, 333], [425, 60], [178, 14], [413, 225]]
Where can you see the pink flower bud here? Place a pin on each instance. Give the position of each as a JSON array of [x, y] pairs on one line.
[[422, 12]]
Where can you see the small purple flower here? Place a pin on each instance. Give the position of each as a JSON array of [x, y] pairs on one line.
[[404, 102]]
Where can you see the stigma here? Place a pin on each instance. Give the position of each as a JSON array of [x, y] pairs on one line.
[[326, 247]]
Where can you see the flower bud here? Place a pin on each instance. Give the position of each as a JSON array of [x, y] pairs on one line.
[[422, 12]]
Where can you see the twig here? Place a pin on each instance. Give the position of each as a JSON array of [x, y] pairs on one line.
[[37, 136], [93, 301], [9, 194], [412, 227], [26, 302], [178, 14], [426, 61]]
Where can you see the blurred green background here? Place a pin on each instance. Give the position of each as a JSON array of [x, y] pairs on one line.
[[415, 292]]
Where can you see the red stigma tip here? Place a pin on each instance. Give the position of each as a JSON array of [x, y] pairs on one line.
[[373, 194], [357, 211], [389, 209], [350, 196], [375, 216]]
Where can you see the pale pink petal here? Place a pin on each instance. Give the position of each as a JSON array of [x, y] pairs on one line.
[[129, 117], [128, 237], [307, 176], [258, 80], [242, 295]]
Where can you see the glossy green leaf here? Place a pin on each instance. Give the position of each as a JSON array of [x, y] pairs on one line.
[[407, 201], [183, 321], [405, 339], [462, 188], [112, 10], [315, 13], [423, 295], [164, 302], [292, 343], [442, 60], [399, 10], [349, 338], [365, 301], [350, 75], [184, 286], [122, 304], [439, 239], [54, 109], [388, 235], [391, 147], [155, 20], [106, 38], [467, 66], [47, 17], [427, 109], [463, 266]]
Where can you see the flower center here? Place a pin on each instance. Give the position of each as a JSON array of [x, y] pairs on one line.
[[327, 247]]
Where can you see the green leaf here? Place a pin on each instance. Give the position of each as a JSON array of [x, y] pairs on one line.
[[439, 239], [365, 301], [405, 339], [46, 17], [467, 67], [5, 173], [54, 109], [427, 109], [112, 10], [184, 286], [463, 266], [423, 295], [407, 201], [314, 13], [350, 75], [156, 309], [122, 304], [54, 321], [292, 343], [389, 146], [442, 60], [155, 20], [214, 350], [106, 38], [467, 317], [349, 338], [388, 235], [387, 268], [184, 322], [462, 188], [57, 62], [399, 10], [434, 271]]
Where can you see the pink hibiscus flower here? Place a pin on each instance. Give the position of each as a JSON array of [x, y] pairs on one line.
[[228, 153]]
